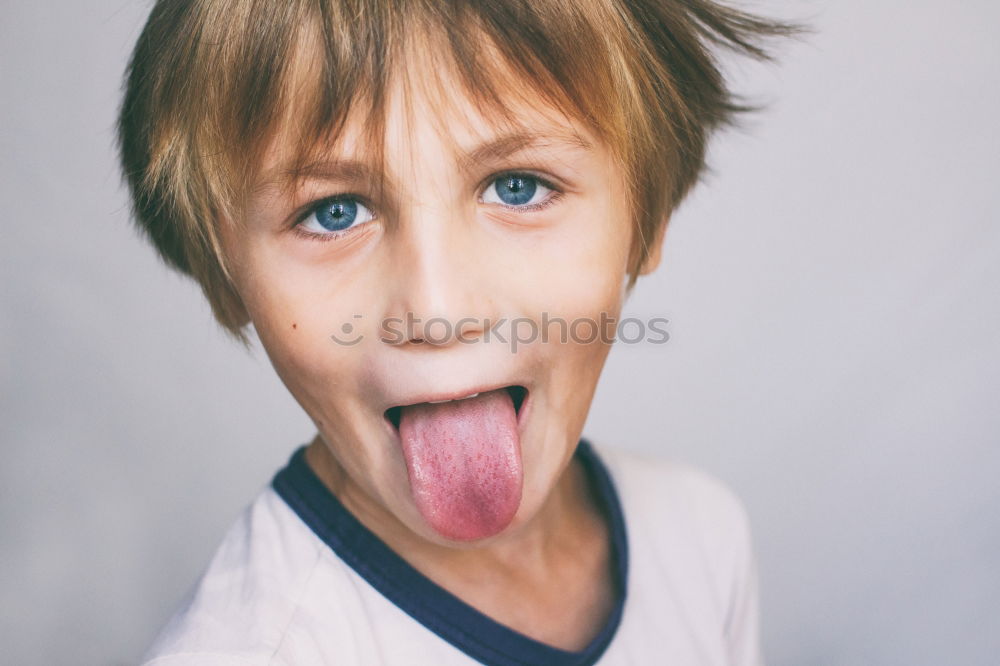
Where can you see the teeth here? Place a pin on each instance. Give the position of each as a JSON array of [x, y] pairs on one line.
[[438, 402]]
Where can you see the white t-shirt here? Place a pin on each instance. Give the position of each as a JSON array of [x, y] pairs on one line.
[[298, 581]]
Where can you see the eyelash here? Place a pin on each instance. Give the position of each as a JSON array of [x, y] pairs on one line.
[[315, 206], [555, 195]]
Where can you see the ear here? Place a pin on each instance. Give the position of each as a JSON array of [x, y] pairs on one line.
[[655, 253]]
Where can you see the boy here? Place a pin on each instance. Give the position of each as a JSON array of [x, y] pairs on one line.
[[377, 186]]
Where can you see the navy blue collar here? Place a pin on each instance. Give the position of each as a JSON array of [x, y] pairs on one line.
[[471, 631]]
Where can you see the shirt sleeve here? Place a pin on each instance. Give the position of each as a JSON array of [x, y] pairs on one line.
[[200, 659], [742, 626]]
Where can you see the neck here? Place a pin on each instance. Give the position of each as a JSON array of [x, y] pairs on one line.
[[567, 518]]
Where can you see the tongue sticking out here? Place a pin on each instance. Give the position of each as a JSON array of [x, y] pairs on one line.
[[464, 461]]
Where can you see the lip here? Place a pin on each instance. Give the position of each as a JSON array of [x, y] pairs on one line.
[[520, 393]]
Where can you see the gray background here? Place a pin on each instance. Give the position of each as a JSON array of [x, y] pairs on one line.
[[834, 305]]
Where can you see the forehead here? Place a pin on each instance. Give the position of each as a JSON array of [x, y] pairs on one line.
[[424, 105]]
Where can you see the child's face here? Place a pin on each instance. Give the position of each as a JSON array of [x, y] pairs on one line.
[[452, 236]]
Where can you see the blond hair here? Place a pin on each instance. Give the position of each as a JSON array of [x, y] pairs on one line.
[[209, 84]]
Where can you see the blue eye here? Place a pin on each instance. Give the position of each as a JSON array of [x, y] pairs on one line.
[[517, 190], [335, 215]]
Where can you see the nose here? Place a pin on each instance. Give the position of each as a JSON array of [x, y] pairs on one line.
[[440, 291]]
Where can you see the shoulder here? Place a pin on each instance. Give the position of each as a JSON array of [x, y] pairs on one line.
[[660, 489], [243, 603], [691, 551], [678, 513]]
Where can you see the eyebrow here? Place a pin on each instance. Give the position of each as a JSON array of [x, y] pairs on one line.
[[508, 144], [493, 150], [328, 170]]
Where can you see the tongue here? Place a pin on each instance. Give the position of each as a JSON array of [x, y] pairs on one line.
[[464, 462]]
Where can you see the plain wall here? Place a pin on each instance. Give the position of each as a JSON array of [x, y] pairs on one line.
[[833, 290]]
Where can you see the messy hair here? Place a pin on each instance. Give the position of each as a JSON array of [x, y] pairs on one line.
[[209, 86]]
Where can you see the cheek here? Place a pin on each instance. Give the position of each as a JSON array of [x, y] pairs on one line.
[[293, 290], [307, 321], [579, 270], [577, 288]]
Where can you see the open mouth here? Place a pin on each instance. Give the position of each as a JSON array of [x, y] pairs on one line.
[[463, 459], [517, 395]]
